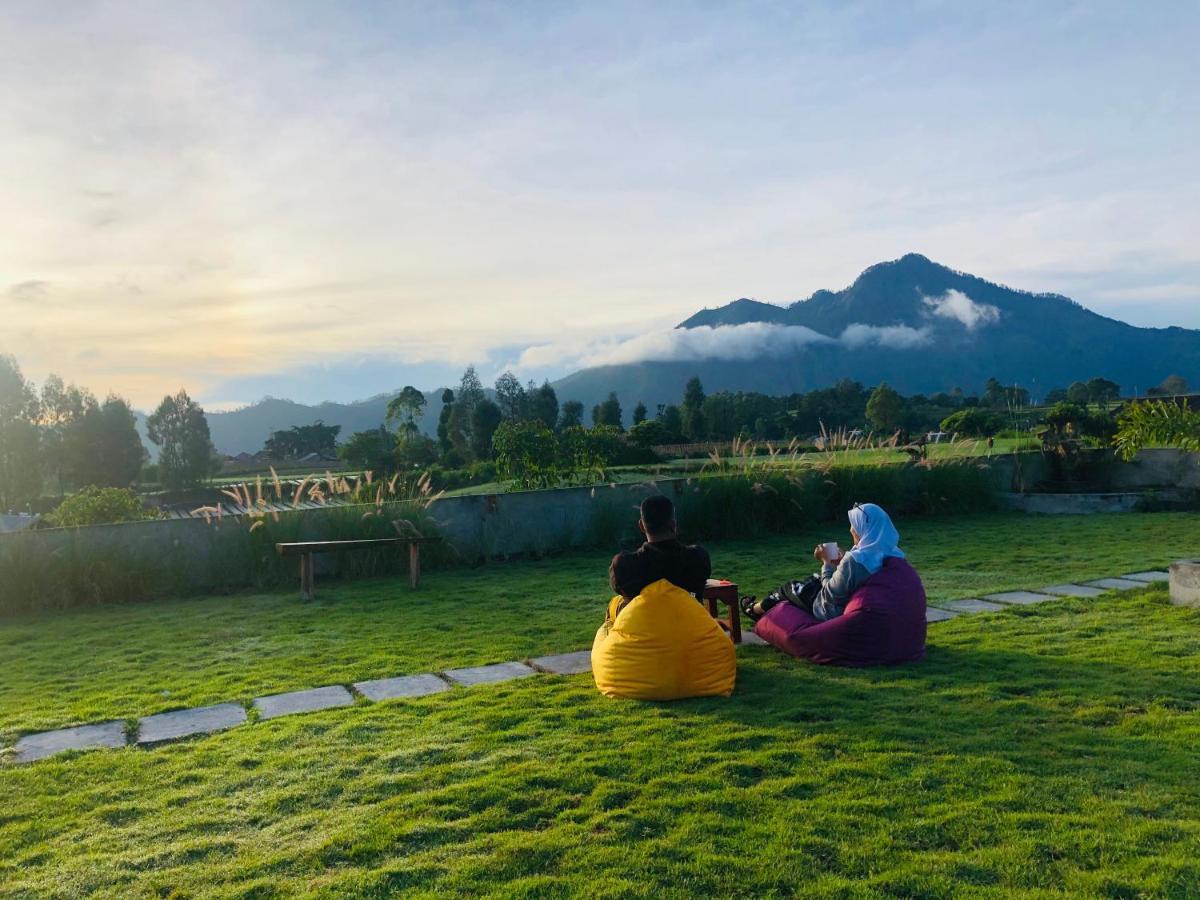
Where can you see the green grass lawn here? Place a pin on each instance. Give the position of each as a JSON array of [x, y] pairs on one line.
[[1042, 749]]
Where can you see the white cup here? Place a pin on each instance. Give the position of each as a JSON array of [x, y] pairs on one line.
[[832, 552]]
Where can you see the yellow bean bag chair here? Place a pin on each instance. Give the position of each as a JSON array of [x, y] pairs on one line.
[[663, 645]]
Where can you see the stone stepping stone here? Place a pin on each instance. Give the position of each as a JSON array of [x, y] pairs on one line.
[[564, 663], [1115, 584], [473, 675], [1072, 590], [404, 686], [293, 702], [186, 722], [933, 614], [47, 743], [971, 605], [1148, 577], [1019, 598]]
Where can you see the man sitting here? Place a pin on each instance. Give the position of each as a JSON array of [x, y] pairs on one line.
[[661, 556], [657, 642]]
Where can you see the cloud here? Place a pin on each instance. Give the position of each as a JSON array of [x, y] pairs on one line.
[[897, 337], [752, 340], [28, 291], [958, 306], [747, 341]]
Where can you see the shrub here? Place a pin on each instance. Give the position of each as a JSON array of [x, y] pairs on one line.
[[99, 506], [528, 454], [1156, 422], [975, 422]]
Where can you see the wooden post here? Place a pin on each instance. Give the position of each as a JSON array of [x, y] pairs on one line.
[[414, 565], [306, 576]]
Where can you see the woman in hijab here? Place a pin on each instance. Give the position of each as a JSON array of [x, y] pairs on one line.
[[875, 539]]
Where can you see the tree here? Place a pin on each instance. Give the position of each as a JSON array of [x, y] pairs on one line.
[[672, 422], [570, 415], [608, 412], [974, 421], [1055, 395], [180, 430], [993, 393], [301, 440], [103, 447], [691, 409], [885, 407], [1103, 391], [484, 421], [406, 407], [1078, 393], [527, 453], [1171, 386], [469, 393], [587, 452], [1067, 418], [511, 398], [543, 405], [20, 459], [62, 406], [372, 450], [650, 433], [443, 428], [639, 413]]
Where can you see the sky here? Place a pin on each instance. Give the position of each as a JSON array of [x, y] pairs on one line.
[[325, 201]]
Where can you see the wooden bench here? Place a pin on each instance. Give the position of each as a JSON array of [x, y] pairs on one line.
[[306, 549], [716, 591]]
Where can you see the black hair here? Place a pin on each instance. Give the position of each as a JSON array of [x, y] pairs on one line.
[[658, 514]]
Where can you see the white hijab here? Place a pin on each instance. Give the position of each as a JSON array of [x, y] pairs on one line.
[[877, 536]]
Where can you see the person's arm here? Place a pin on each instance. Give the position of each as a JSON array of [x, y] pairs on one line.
[[837, 586]]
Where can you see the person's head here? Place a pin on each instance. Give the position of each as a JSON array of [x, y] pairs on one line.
[[657, 520], [867, 518]]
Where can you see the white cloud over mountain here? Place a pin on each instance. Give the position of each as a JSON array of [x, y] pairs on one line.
[[897, 337], [958, 306], [753, 340], [747, 341]]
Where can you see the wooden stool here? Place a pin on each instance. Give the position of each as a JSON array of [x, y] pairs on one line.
[[716, 591]]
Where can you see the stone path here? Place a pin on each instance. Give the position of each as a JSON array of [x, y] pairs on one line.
[[183, 723]]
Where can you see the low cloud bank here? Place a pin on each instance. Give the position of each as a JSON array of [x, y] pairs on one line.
[[749, 341], [958, 306], [755, 340], [897, 337]]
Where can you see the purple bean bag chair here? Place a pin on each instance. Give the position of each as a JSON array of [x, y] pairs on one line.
[[884, 623]]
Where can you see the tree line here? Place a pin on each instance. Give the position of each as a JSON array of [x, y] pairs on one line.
[[64, 436]]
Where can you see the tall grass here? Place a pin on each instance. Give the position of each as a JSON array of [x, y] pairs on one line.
[[746, 493]]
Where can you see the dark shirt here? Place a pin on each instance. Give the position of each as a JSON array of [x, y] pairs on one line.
[[685, 567]]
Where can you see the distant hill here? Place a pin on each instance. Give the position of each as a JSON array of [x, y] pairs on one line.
[[247, 428], [918, 325]]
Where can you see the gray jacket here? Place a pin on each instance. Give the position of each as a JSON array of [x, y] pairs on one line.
[[838, 586]]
